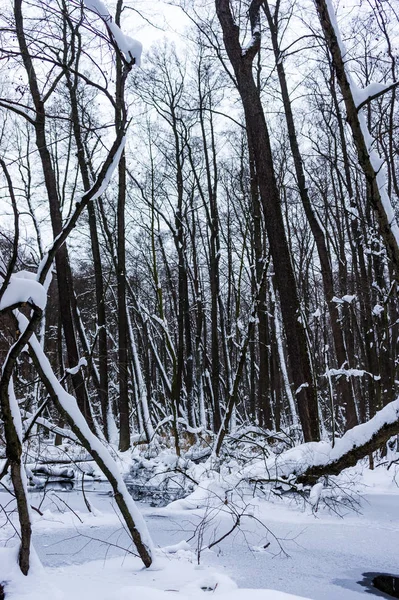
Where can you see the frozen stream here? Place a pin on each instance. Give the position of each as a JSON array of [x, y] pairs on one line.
[[327, 554]]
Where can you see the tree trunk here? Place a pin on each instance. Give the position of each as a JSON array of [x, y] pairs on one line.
[[258, 139], [102, 384], [376, 193], [123, 401], [343, 386], [65, 286], [67, 406]]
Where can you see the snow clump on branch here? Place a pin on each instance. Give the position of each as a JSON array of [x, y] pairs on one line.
[[22, 288], [129, 47]]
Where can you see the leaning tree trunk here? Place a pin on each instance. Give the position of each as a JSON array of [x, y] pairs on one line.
[[61, 259], [344, 390], [67, 406], [259, 141], [376, 192], [368, 440]]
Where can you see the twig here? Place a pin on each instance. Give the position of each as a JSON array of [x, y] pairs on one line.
[[67, 505]]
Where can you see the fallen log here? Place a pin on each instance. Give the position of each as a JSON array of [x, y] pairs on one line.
[[365, 440], [59, 472], [306, 463]]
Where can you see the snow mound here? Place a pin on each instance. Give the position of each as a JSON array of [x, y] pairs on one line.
[[99, 580]]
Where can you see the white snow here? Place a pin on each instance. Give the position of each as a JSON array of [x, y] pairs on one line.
[[350, 373], [73, 370], [22, 288], [14, 408], [360, 95], [109, 172], [124, 580], [301, 387], [376, 161], [348, 298], [130, 47], [377, 310], [315, 493], [325, 559], [69, 404]]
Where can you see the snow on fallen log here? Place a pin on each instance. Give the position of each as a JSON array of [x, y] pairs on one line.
[[307, 462], [58, 472]]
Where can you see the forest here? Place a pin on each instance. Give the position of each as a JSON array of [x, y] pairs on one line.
[[199, 248]]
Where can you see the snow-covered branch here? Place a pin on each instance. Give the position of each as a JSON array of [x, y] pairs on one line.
[[67, 405], [370, 162], [307, 462], [22, 289], [130, 48], [372, 92], [98, 188]]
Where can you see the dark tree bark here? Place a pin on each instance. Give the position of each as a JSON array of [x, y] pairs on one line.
[[209, 195], [343, 386], [65, 284], [373, 191], [123, 401], [258, 139], [14, 454], [102, 383], [264, 391]]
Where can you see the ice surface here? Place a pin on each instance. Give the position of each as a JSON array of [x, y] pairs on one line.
[[124, 580], [326, 555]]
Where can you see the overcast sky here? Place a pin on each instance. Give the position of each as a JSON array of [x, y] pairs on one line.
[[159, 19]]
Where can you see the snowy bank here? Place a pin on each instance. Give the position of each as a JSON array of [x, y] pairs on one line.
[[125, 579]]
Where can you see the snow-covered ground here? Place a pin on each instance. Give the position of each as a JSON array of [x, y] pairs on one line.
[[320, 556], [125, 580]]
